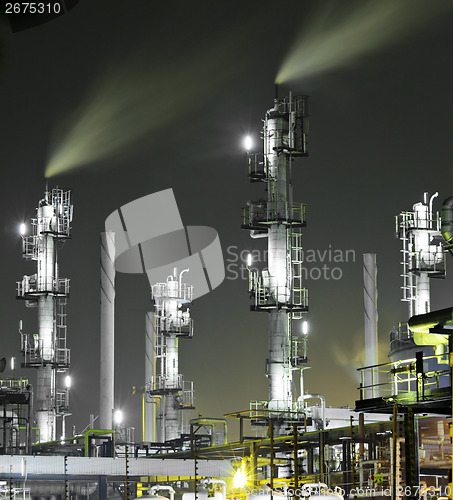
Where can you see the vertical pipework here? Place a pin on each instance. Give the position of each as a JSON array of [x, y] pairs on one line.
[[422, 239], [44, 403], [279, 370], [279, 263], [45, 396], [107, 348], [150, 420], [447, 223], [172, 399], [371, 317]]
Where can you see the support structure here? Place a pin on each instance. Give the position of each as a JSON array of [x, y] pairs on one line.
[[171, 321], [107, 347], [278, 289], [46, 350]]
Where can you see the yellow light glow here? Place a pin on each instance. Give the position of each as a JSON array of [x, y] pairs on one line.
[[240, 477]]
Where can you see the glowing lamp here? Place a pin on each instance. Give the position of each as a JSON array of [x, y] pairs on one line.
[[305, 327], [118, 417], [22, 229], [248, 142]]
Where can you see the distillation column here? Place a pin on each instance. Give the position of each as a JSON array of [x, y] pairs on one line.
[[423, 258], [171, 321], [278, 290], [46, 350]]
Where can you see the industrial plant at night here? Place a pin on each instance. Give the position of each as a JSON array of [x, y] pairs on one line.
[[174, 340]]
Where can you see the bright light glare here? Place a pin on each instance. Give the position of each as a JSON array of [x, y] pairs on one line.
[[248, 142], [305, 327], [240, 478], [22, 229], [67, 381], [249, 259], [118, 416], [13, 363]]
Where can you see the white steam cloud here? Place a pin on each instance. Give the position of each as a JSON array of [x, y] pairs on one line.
[[333, 38]]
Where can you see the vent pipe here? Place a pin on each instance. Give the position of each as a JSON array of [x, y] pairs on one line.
[[371, 318], [107, 348]]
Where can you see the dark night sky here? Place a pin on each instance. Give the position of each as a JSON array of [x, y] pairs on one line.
[[192, 78]]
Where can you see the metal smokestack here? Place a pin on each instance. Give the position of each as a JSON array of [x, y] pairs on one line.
[[107, 348], [149, 434], [371, 317]]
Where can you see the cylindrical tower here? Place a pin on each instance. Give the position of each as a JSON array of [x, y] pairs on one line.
[[150, 434], [46, 350], [370, 307], [172, 321], [107, 347], [278, 289], [423, 258]]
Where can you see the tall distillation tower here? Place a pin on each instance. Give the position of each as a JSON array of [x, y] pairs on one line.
[[46, 350], [423, 258], [172, 321], [278, 289]]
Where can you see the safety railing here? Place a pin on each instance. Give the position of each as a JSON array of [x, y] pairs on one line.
[[172, 290], [258, 215], [181, 327], [31, 286], [161, 383], [401, 378], [265, 294]]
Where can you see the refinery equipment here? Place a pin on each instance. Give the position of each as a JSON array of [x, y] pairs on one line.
[[423, 258], [278, 290], [419, 358], [136, 243], [46, 349], [167, 388]]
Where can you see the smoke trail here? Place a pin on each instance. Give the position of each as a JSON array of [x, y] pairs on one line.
[[132, 100], [334, 39], [351, 356]]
